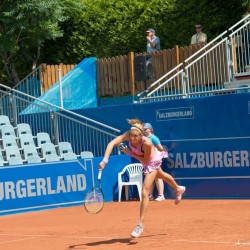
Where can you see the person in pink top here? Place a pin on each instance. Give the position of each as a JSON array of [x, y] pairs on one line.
[[142, 149]]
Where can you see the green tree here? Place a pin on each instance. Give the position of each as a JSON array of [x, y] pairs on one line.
[[66, 31], [216, 16], [24, 26], [103, 28], [107, 28], [69, 48]]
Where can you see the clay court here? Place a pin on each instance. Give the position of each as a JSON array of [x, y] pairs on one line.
[[193, 224]]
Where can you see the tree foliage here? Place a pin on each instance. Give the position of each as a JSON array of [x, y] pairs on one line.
[[24, 26], [66, 31], [112, 28]]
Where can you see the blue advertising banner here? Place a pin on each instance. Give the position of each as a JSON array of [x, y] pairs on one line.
[[32, 187], [211, 168], [48, 185], [208, 140]]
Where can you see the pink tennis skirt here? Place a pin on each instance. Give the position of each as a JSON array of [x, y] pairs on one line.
[[155, 162]]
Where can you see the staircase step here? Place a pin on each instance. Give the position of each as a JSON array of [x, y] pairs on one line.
[[242, 76], [242, 85]]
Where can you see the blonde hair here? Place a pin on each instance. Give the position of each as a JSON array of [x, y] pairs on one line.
[[136, 124]]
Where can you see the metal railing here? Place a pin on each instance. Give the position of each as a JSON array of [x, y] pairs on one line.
[[62, 125], [31, 84], [207, 71]]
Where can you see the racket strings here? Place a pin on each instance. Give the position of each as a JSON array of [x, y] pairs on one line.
[[94, 201]]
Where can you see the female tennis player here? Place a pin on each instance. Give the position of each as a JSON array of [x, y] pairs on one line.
[[141, 148]]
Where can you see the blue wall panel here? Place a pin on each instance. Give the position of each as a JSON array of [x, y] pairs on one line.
[[208, 140], [49, 185]]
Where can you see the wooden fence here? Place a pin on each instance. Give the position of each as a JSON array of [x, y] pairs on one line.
[[50, 74], [115, 76]]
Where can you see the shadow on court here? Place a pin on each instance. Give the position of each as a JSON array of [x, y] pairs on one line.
[[128, 241]]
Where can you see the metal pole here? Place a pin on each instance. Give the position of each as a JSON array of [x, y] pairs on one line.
[[60, 88]]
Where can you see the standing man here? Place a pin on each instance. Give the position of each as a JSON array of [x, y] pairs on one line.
[[200, 37], [153, 41]]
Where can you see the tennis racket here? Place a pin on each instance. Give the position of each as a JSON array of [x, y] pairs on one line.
[[94, 199]]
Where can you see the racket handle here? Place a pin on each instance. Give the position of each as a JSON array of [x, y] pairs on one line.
[[99, 174]]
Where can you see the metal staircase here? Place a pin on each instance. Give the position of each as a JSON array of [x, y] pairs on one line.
[[218, 67]]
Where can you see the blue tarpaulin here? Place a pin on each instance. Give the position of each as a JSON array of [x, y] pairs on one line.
[[78, 89]]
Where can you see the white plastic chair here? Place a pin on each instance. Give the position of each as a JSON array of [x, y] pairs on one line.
[[13, 155], [65, 147], [48, 149], [8, 129], [29, 150], [8, 140], [33, 159], [49, 152], [4, 119], [42, 137], [135, 175], [23, 128], [69, 156], [51, 158], [26, 139], [87, 155]]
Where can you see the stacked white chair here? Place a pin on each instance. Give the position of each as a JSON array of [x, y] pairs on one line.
[[18, 145], [23, 129], [26, 139], [42, 138], [7, 129], [4, 119], [8, 140], [86, 155], [66, 151], [13, 155], [49, 152], [31, 154]]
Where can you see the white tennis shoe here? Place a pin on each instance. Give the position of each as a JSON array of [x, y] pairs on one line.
[[160, 198], [137, 231]]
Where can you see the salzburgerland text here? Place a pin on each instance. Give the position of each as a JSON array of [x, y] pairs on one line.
[[238, 158], [174, 113], [42, 186]]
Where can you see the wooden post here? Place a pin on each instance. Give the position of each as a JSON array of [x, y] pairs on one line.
[[177, 63], [177, 55], [131, 71], [44, 77], [234, 45]]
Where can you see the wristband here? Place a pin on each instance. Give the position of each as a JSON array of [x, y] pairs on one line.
[[105, 160], [131, 153]]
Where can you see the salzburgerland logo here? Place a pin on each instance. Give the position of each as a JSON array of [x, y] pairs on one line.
[[237, 158], [174, 113], [10, 190]]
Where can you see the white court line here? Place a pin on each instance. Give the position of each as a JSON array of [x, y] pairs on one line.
[[53, 236], [10, 241], [32, 236], [205, 241]]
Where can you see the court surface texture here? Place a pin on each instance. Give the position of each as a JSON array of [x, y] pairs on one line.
[[192, 224]]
